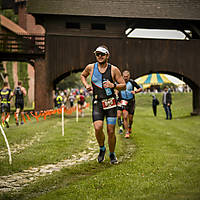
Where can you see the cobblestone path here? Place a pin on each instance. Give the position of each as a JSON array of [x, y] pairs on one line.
[[17, 181]]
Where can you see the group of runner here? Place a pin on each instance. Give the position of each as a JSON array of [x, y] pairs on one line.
[[68, 99], [105, 79], [6, 94]]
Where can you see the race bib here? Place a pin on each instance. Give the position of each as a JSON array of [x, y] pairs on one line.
[[124, 102], [119, 104], [108, 103]]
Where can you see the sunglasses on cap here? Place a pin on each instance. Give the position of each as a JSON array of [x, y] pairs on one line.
[[99, 54]]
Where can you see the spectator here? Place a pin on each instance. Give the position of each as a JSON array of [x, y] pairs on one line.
[[167, 102], [155, 103]]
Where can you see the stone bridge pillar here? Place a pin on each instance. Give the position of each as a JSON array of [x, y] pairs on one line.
[[43, 86]]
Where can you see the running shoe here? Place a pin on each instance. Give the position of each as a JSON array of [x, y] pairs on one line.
[[129, 130], [113, 159], [127, 135], [7, 125], [22, 123], [101, 155]]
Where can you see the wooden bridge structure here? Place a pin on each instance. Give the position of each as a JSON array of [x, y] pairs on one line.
[[21, 47]]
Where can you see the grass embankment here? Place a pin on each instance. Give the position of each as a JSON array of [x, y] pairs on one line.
[[160, 160]]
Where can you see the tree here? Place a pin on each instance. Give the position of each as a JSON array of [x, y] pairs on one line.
[[9, 13], [72, 81]]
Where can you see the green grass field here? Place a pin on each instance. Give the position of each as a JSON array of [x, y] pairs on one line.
[[159, 162]]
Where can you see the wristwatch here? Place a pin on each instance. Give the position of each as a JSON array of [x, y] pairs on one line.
[[114, 85]]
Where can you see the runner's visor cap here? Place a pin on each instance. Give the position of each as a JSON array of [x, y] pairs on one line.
[[102, 50]]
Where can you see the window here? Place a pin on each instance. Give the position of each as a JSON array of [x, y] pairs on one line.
[[73, 25], [98, 26]]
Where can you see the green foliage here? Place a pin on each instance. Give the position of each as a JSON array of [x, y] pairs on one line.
[[169, 85], [9, 13], [72, 81], [2, 71], [9, 66], [22, 72]]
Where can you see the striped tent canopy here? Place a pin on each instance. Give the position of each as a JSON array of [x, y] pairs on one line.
[[152, 79]]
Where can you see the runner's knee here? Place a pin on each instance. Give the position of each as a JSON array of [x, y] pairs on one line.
[[98, 126], [125, 117]]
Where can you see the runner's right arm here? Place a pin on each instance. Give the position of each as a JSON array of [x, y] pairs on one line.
[[86, 72]]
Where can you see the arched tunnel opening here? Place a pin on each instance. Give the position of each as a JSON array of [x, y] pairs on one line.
[[69, 87], [70, 83], [177, 83]]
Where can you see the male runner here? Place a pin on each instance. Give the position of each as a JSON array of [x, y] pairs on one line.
[[59, 100], [20, 93], [128, 102], [5, 96], [81, 102], [103, 78]]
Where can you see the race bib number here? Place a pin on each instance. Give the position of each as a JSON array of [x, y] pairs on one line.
[[124, 102], [119, 104], [108, 103]]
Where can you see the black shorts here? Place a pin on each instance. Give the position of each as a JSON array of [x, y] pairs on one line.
[[5, 107], [98, 113], [19, 105], [130, 107], [119, 106]]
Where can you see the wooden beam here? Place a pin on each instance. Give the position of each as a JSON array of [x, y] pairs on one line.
[[196, 29]]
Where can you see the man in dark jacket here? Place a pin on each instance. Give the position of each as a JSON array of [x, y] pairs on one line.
[[167, 102]]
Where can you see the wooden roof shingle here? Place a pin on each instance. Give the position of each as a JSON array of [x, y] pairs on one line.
[[164, 9]]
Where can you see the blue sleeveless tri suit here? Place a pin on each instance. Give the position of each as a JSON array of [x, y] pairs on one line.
[[99, 95], [127, 96]]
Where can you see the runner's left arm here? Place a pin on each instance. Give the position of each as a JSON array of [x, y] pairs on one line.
[[121, 85], [139, 89]]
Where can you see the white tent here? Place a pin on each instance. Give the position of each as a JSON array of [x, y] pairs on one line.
[[175, 80]]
